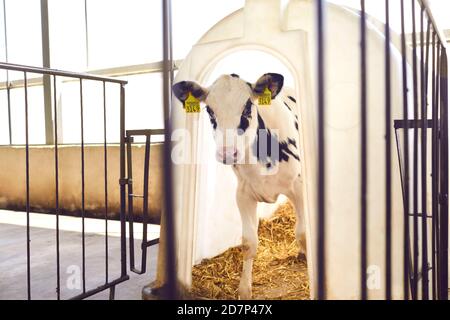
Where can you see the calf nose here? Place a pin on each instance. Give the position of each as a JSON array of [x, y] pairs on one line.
[[227, 154]]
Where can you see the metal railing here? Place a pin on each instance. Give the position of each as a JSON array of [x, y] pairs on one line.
[[108, 73], [435, 42], [131, 195], [109, 284]]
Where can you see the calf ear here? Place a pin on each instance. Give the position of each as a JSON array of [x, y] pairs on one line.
[[182, 89], [272, 81]]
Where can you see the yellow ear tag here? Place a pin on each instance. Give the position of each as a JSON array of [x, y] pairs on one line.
[[266, 98], [192, 104]]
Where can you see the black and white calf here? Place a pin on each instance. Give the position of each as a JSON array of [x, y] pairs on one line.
[[261, 143]]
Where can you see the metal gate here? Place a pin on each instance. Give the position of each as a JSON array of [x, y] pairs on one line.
[[51, 74], [145, 244], [415, 272], [127, 179]]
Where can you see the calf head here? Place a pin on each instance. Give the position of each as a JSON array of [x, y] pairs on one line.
[[230, 104]]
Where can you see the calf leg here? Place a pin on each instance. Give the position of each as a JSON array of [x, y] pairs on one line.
[[247, 208], [296, 198]]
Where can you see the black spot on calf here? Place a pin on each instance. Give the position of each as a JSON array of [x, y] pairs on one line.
[[245, 116], [212, 117], [267, 140], [292, 142], [292, 98], [285, 152], [287, 106]]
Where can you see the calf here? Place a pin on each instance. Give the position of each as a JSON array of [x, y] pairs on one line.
[[261, 144]]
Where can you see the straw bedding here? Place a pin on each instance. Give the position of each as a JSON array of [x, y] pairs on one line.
[[277, 272]]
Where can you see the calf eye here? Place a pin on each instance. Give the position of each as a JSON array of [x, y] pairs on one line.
[[212, 117], [245, 116]]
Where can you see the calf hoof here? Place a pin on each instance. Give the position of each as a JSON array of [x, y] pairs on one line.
[[245, 292], [301, 257]]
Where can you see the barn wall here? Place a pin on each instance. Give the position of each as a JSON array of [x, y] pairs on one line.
[[42, 179]]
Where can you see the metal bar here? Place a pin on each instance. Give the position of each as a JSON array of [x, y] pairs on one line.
[[66, 144], [145, 132], [129, 70], [27, 174], [123, 244], [130, 201], [170, 47], [8, 97], [171, 284], [407, 247], [83, 240], [100, 288], [58, 271], [412, 124], [105, 148], [363, 71], [434, 198], [405, 175], [438, 175], [423, 161], [400, 161], [112, 293], [144, 196], [151, 242], [86, 76], [47, 90], [388, 153], [415, 158], [8, 87], [443, 263], [442, 38], [86, 32], [321, 276], [145, 203]]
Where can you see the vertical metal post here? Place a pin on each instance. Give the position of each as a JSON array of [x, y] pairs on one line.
[[123, 244], [415, 158], [145, 202], [406, 247], [388, 152], [434, 173], [46, 78], [168, 199], [363, 71], [443, 263], [423, 160], [437, 126], [8, 97], [58, 275], [8, 89], [27, 174], [86, 32], [105, 148], [130, 192], [321, 272], [83, 213]]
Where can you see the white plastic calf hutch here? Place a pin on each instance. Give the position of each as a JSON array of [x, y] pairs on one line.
[[206, 214]]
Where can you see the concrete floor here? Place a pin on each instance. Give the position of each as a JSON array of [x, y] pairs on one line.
[[13, 257]]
